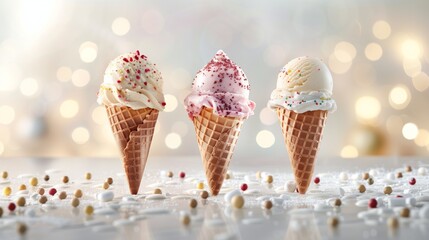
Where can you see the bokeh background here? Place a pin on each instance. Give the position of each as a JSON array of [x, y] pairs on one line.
[[53, 55]]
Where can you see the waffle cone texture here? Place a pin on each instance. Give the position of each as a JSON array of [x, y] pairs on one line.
[[133, 131], [302, 134], [216, 137]]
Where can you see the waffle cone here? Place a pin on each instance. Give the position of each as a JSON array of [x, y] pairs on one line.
[[302, 134], [133, 131], [216, 137]]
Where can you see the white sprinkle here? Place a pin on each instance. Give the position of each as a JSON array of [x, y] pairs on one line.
[[122, 222], [321, 207], [228, 196], [390, 176], [411, 201], [370, 214], [22, 192], [277, 201], [105, 196], [251, 192], [290, 186], [373, 172], [128, 199], [5, 182], [155, 197], [422, 171], [344, 176], [362, 203], [396, 202]]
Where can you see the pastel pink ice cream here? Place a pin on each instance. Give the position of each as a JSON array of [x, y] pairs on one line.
[[222, 86]]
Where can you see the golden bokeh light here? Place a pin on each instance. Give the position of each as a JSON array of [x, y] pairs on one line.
[[337, 66], [367, 107], [80, 135], [410, 131], [64, 74], [29, 87], [171, 103], [421, 81], [345, 52], [381, 29], [173, 140], [99, 115], [7, 115], [121, 26], [349, 151], [411, 49], [80, 78], [399, 97], [268, 116], [412, 66], [373, 51], [88, 52], [422, 138], [265, 139], [69, 108]]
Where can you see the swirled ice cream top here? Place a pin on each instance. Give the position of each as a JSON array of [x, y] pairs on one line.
[[304, 84], [131, 80], [222, 86]]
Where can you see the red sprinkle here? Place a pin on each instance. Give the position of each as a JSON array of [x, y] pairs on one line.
[[163, 104], [11, 206], [243, 187], [372, 203], [52, 191], [412, 181], [147, 70], [316, 180], [399, 196], [125, 60], [119, 81], [137, 76], [182, 174], [138, 52]]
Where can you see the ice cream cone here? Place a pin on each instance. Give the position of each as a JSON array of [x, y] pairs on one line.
[[302, 134], [133, 131], [216, 136]]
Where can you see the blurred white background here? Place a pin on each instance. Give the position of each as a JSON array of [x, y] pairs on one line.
[[53, 55]]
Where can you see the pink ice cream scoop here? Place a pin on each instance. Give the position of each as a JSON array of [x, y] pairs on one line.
[[222, 86]]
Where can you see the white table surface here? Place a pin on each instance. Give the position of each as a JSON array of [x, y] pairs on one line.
[[212, 219]]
